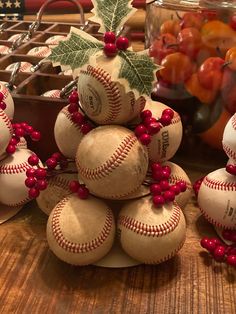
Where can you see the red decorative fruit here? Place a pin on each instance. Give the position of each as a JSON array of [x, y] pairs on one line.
[[110, 50]]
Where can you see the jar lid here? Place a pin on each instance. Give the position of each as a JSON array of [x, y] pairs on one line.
[[220, 4]]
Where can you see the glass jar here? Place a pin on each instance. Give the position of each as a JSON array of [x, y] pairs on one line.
[[195, 42]]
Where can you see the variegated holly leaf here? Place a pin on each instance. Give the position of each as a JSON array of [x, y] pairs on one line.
[[138, 69], [111, 14], [76, 51]]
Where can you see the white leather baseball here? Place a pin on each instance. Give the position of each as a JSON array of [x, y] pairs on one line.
[[229, 138], [4, 50], [41, 51], [80, 232], [13, 191], [111, 161], [166, 142], [6, 132], [151, 235], [24, 66], [178, 174], [15, 37], [22, 143], [54, 93], [58, 188], [217, 199], [7, 99], [67, 134], [55, 40], [104, 100], [231, 162]]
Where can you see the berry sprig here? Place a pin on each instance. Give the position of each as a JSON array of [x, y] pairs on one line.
[[151, 126], [197, 185], [21, 130], [2, 103], [162, 191], [220, 252], [76, 115], [56, 160], [231, 169], [79, 189], [114, 44]]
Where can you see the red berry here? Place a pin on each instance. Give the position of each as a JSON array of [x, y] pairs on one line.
[[216, 241], [83, 192], [145, 114], [13, 141], [232, 22], [175, 189], [110, 50], [16, 125], [165, 119], [11, 149], [231, 250], [157, 175], [210, 245], [169, 196], [204, 242], [40, 173], [156, 166], [78, 118], [73, 108], [155, 189], [140, 129], [30, 182], [109, 38], [219, 253], [1, 96], [33, 160], [35, 136], [169, 112], [145, 139], [74, 98], [122, 43], [30, 172], [165, 174], [158, 200], [24, 125], [3, 105], [74, 186], [29, 129], [51, 163], [231, 260], [33, 193], [41, 185], [154, 128], [58, 156], [164, 185], [167, 169], [182, 185], [148, 121], [19, 132], [231, 169], [226, 234], [86, 128]]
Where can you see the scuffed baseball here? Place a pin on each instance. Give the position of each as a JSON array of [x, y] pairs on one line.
[[229, 138], [178, 174], [166, 142], [67, 134], [13, 191], [55, 40], [111, 161], [7, 99], [57, 189], [80, 232], [7, 212], [151, 235], [54, 93], [217, 198], [24, 66], [41, 51], [4, 50], [104, 100], [15, 37], [6, 132]]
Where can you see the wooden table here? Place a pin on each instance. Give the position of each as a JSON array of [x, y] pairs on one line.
[[33, 280]]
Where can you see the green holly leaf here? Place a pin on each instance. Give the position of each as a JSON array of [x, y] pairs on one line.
[[139, 70], [76, 51], [111, 14]]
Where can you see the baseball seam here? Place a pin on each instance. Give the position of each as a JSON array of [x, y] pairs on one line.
[[234, 121], [112, 162], [4, 49], [7, 121], [219, 185], [60, 182], [151, 230], [68, 116], [13, 169], [4, 90], [41, 53], [79, 247], [213, 221], [112, 92], [21, 203], [176, 119], [229, 151], [175, 178]]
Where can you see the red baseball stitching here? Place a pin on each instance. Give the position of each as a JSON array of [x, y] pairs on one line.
[[79, 247], [3, 49], [40, 53], [214, 222], [112, 162], [229, 151], [234, 121], [151, 230], [60, 182], [21, 203], [13, 169], [68, 116], [219, 185], [175, 178], [176, 119], [4, 90], [112, 91], [55, 94], [7, 121]]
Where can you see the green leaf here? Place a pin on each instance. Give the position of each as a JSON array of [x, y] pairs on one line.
[[111, 14], [139, 70], [76, 51]]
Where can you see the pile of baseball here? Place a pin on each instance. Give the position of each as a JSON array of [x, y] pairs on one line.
[[112, 163]]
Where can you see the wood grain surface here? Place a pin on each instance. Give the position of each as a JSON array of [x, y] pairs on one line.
[[33, 280]]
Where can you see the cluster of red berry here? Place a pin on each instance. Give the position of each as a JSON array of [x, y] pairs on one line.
[[222, 252], [76, 115], [160, 187], [231, 169], [197, 185], [113, 44], [2, 103], [79, 189], [21, 130], [151, 126]]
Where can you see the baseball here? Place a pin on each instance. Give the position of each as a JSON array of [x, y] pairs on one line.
[[54, 93], [13, 169], [111, 161], [58, 188], [7, 212], [229, 138], [15, 37], [216, 199], [7, 99], [55, 40], [151, 235], [178, 174], [4, 50], [104, 100], [80, 232], [41, 51], [22, 143], [6, 132], [24, 66], [67, 134], [165, 143]]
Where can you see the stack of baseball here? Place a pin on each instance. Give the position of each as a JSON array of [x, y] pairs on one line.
[[113, 164]]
